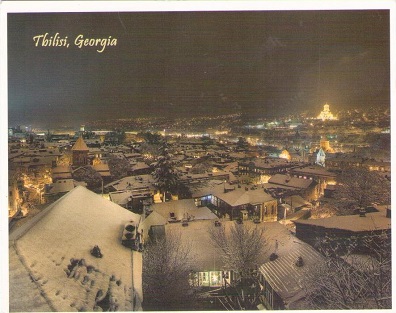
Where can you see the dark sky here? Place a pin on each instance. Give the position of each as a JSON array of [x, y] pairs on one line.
[[192, 63]]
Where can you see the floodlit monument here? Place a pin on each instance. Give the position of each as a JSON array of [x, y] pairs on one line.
[[326, 114]]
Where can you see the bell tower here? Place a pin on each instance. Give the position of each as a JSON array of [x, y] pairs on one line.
[[80, 153]]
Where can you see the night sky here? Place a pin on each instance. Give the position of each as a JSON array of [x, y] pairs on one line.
[[261, 63]]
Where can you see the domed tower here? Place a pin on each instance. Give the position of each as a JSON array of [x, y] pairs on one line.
[[80, 153]]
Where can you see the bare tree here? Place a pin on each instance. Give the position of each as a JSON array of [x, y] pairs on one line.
[[351, 280], [166, 270], [362, 187], [118, 167], [241, 248], [201, 167], [379, 269], [88, 175]]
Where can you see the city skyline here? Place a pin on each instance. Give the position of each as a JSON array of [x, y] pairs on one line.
[[185, 64]]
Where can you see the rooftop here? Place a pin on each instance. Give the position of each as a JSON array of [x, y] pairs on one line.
[[313, 170], [43, 248], [241, 196], [80, 145], [183, 209], [354, 223], [284, 276], [286, 180], [132, 182]]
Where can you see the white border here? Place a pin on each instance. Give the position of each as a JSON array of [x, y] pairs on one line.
[[150, 6], [153, 6]]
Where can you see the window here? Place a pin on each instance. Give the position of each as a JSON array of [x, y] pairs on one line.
[[204, 278], [215, 278]]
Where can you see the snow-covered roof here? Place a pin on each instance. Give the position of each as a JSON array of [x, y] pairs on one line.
[[154, 219], [207, 187], [139, 166], [286, 180], [297, 201], [24, 294], [354, 223], [207, 257], [132, 155], [268, 186], [241, 196], [102, 169], [183, 209], [315, 170], [68, 229], [283, 274], [132, 182], [270, 163], [120, 197], [61, 169], [203, 176], [62, 185]]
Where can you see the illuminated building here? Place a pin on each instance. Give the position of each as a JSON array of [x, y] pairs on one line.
[[320, 157], [325, 146], [326, 114], [285, 155], [260, 170]]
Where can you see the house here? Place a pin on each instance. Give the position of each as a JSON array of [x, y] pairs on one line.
[[294, 207], [343, 160], [189, 178], [103, 170], [52, 267], [139, 168], [260, 170], [132, 192], [132, 182], [256, 203], [281, 279], [340, 228], [236, 201], [61, 172], [132, 199], [306, 188], [59, 188], [177, 211], [319, 174]]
